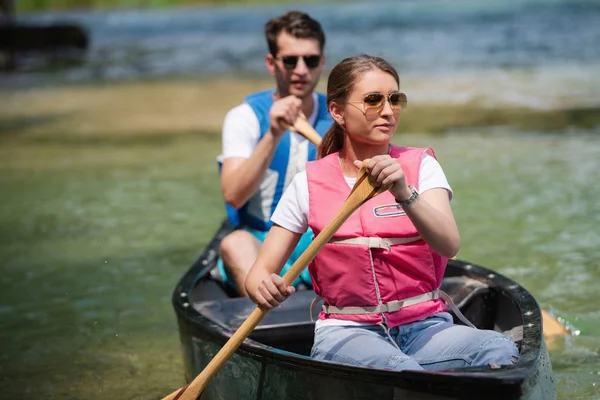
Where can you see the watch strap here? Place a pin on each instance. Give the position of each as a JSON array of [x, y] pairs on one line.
[[411, 199]]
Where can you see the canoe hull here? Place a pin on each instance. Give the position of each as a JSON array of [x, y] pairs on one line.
[[246, 376], [273, 363]]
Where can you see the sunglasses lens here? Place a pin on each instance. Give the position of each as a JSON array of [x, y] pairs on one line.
[[374, 100], [289, 61], [312, 61], [398, 99]]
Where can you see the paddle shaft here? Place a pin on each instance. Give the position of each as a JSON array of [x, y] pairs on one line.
[[301, 126], [362, 191], [305, 129]]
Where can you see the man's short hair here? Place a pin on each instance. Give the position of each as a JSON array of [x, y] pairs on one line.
[[296, 23]]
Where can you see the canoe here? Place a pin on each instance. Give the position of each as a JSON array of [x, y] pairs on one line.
[[274, 362]]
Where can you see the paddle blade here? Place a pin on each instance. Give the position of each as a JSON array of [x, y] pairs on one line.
[[551, 326]]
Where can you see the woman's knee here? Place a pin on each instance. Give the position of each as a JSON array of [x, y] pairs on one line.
[[497, 349]]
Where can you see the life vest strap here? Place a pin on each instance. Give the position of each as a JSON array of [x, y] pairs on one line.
[[396, 305], [377, 242], [386, 307]]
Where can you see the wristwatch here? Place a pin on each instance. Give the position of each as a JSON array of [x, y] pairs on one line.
[[411, 199]]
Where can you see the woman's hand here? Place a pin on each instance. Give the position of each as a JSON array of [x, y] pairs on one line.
[[386, 170], [271, 292], [263, 284], [431, 215]]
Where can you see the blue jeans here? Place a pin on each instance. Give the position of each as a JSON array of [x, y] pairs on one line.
[[433, 343]]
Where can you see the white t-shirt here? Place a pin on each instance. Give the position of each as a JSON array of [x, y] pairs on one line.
[[292, 210]]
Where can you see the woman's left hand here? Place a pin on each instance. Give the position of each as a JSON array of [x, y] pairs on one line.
[[386, 170]]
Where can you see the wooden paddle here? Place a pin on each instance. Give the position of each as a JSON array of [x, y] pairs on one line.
[[301, 126], [552, 329], [305, 129], [362, 191]]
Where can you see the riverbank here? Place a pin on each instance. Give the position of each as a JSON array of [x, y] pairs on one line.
[[122, 109]]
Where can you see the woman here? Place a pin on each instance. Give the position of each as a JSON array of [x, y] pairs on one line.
[[380, 274]]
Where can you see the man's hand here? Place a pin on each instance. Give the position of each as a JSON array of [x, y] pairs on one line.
[[284, 113]]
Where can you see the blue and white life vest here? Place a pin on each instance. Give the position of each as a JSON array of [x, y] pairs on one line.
[[256, 213]]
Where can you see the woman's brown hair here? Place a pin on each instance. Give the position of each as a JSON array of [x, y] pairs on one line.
[[339, 86]]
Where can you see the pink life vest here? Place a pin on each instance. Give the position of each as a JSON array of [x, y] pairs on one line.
[[356, 275]]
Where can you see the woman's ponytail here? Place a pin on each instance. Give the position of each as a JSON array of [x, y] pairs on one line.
[[332, 141]]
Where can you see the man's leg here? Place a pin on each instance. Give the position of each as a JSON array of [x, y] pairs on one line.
[[239, 250]]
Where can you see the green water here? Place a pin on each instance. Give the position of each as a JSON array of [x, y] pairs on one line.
[[95, 233]]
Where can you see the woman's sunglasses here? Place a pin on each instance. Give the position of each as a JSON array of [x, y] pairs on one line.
[[311, 62], [375, 101]]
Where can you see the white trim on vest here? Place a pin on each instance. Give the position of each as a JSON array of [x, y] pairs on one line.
[[377, 242], [397, 305]]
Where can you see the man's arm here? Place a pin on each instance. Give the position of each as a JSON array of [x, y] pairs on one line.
[[241, 176]]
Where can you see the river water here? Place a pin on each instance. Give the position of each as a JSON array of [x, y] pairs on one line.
[[95, 232], [558, 40]]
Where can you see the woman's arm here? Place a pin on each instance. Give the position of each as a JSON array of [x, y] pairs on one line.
[[430, 212], [432, 216], [264, 285]]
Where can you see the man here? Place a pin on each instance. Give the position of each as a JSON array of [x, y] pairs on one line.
[[260, 156]]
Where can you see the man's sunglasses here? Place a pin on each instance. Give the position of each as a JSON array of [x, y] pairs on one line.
[[397, 100], [311, 62]]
